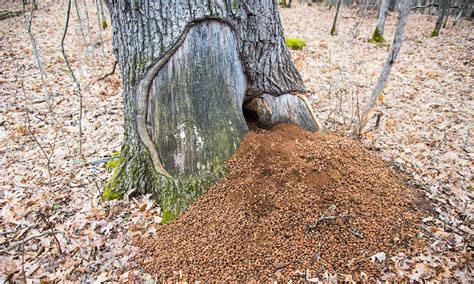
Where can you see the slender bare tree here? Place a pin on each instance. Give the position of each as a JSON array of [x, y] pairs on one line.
[[392, 56], [462, 12], [333, 27]]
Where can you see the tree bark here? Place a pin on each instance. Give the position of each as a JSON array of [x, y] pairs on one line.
[[462, 12], [187, 68], [442, 10], [394, 5], [377, 36], [333, 27]]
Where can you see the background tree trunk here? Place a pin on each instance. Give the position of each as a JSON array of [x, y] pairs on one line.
[[442, 10], [333, 27], [394, 5], [187, 69], [377, 36], [462, 12]]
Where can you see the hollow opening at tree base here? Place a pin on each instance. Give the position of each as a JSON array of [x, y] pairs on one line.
[[251, 118], [293, 201]]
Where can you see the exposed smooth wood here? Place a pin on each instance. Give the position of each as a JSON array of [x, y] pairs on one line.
[[269, 110], [194, 111]]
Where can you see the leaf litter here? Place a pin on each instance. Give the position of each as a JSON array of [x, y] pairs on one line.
[[425, 130]]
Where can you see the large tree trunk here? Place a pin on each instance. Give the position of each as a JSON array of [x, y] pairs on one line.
[[188, 67], [377, 36]]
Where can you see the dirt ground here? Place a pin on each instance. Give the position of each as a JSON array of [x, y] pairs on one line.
[[425, 130]]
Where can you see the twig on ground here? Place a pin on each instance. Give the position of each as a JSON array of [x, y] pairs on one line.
[[19, 243], [110, 73], [23, 273], [325, 217], [50, 227], [19, 228]]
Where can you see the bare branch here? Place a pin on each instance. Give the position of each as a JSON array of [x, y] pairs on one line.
[[19, 243], [111, 72], [76, 82]]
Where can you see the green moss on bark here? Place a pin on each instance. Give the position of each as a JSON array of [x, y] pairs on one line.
[[167, 217], [113, 162], [377, 37], [173, 195], [113, 166], [129, 169], [435, 33], [110, 194], [176, 195], [333, 30]]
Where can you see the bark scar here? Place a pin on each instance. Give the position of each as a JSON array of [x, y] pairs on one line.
[[142, 93], [310, 109]]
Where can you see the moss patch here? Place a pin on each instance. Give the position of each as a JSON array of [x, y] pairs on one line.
[[295, 43], [112, 163], [176, 195], [109, 194], [333, 31], [377, 37], [104, 24], [435, 33], [235, 4], [167, 217]]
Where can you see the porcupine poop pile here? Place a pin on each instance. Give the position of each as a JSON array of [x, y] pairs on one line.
[[294, 203]]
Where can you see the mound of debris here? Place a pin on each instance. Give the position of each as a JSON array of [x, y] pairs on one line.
[[294, 204]]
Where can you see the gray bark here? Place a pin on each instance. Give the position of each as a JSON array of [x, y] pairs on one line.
[[333, 27], [383, 11], [394, 5], [187, 69], [442, 11], [462, 12], [392, 56], [195, 104]]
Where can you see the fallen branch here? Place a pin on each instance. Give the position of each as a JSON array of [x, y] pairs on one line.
[[432, 5], [19, 243], [16, 230], [9, 14], [425, 6], [325, 217], [95, 162], [110, 73]]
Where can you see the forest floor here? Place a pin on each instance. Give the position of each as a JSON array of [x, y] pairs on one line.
[[55, 226]]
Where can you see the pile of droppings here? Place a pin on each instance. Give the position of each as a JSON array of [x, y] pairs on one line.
[[253, 225]]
